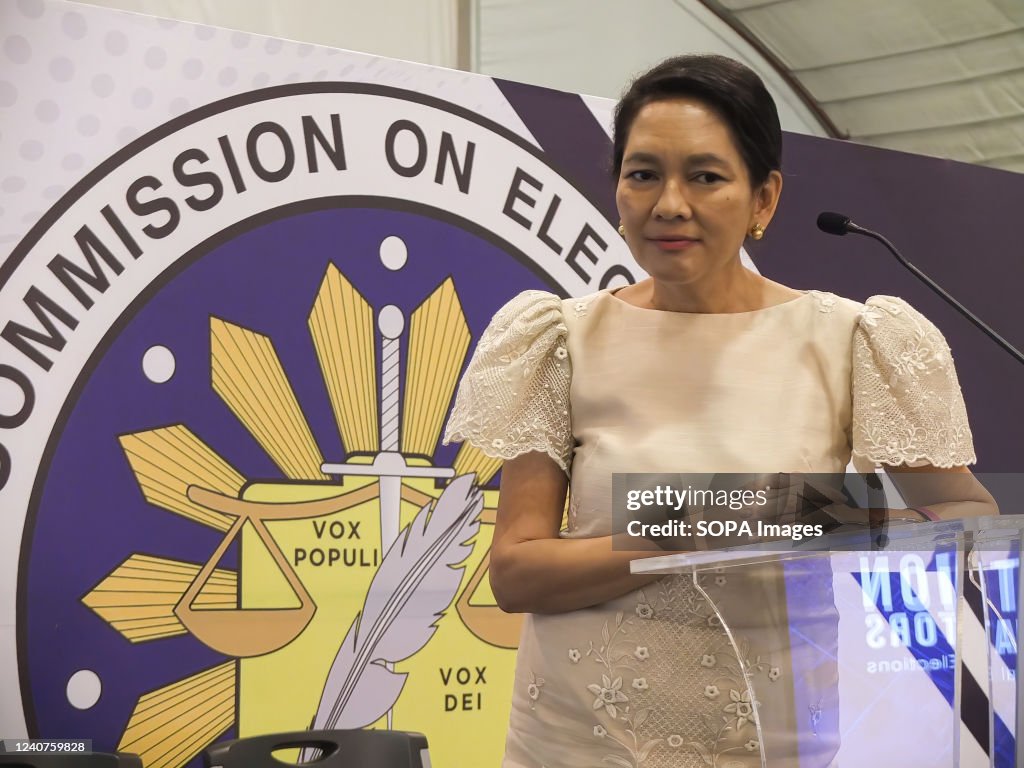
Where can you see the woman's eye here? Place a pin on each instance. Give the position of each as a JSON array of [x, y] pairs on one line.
[[707, 177], [640, 175]]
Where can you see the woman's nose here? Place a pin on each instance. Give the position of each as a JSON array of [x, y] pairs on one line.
[[672, 202]]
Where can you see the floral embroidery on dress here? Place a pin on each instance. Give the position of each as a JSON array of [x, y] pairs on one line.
[[533, 689], [740, 705], [870, 316], [608, 695], [618, 656], [826, 302], [907, 404], [514, 396], [636, 749], [625, 723], [731, 670]]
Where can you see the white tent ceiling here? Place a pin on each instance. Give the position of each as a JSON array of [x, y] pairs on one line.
[[935, 77]]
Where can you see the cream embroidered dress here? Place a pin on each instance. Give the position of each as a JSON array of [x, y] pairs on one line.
[[651, 680]]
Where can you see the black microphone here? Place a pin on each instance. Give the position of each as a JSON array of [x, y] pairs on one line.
[[833, 223], [838, 224]]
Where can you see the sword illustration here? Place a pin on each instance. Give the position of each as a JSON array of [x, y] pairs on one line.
[[389, 466]]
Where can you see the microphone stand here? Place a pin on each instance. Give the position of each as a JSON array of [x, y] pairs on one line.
[[1016, 353]]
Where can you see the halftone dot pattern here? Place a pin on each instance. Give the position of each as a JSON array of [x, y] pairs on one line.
[[102, 85], [17, 49], [31, 150], [227, 76], [80, 82], [8, 94], [192, 69], [142, 98], [116, 42], [88, 125], [178, 105], [12, 184], [47, 111], [127, 134], [74, 26], [62, 69], [155, 57], [31, 9]]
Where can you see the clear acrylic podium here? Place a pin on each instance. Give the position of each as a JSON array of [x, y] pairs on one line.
[[906, 643]]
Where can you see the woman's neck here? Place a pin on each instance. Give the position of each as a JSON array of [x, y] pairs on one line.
[[737, 290]]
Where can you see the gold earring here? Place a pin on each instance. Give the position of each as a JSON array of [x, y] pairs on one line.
[[622, 229], [757, 231]]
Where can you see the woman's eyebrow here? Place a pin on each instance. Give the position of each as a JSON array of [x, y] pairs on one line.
[[706, 158], [703, 158], [641, 157]]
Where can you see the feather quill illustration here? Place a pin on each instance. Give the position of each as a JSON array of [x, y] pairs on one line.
[[415, 584]]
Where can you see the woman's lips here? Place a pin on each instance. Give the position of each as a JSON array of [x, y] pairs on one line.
[[673, 244]]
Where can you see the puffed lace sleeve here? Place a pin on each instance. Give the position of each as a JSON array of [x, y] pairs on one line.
[[514, 396], [907, 404]]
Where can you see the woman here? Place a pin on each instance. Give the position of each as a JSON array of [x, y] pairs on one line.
[[704, 366]]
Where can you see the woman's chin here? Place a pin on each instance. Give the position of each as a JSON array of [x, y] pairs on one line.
[[675, 274], [685, 268]]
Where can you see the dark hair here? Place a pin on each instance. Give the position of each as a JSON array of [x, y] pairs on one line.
[[731, 89]]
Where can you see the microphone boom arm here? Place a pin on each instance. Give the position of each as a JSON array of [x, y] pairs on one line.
[[1016, 353]]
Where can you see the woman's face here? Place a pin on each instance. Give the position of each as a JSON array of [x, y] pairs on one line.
[[684, 193]]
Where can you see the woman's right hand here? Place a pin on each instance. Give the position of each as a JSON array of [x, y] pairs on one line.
[[534, 570]]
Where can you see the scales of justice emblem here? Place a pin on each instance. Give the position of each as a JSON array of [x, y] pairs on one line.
[[434, 524]]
